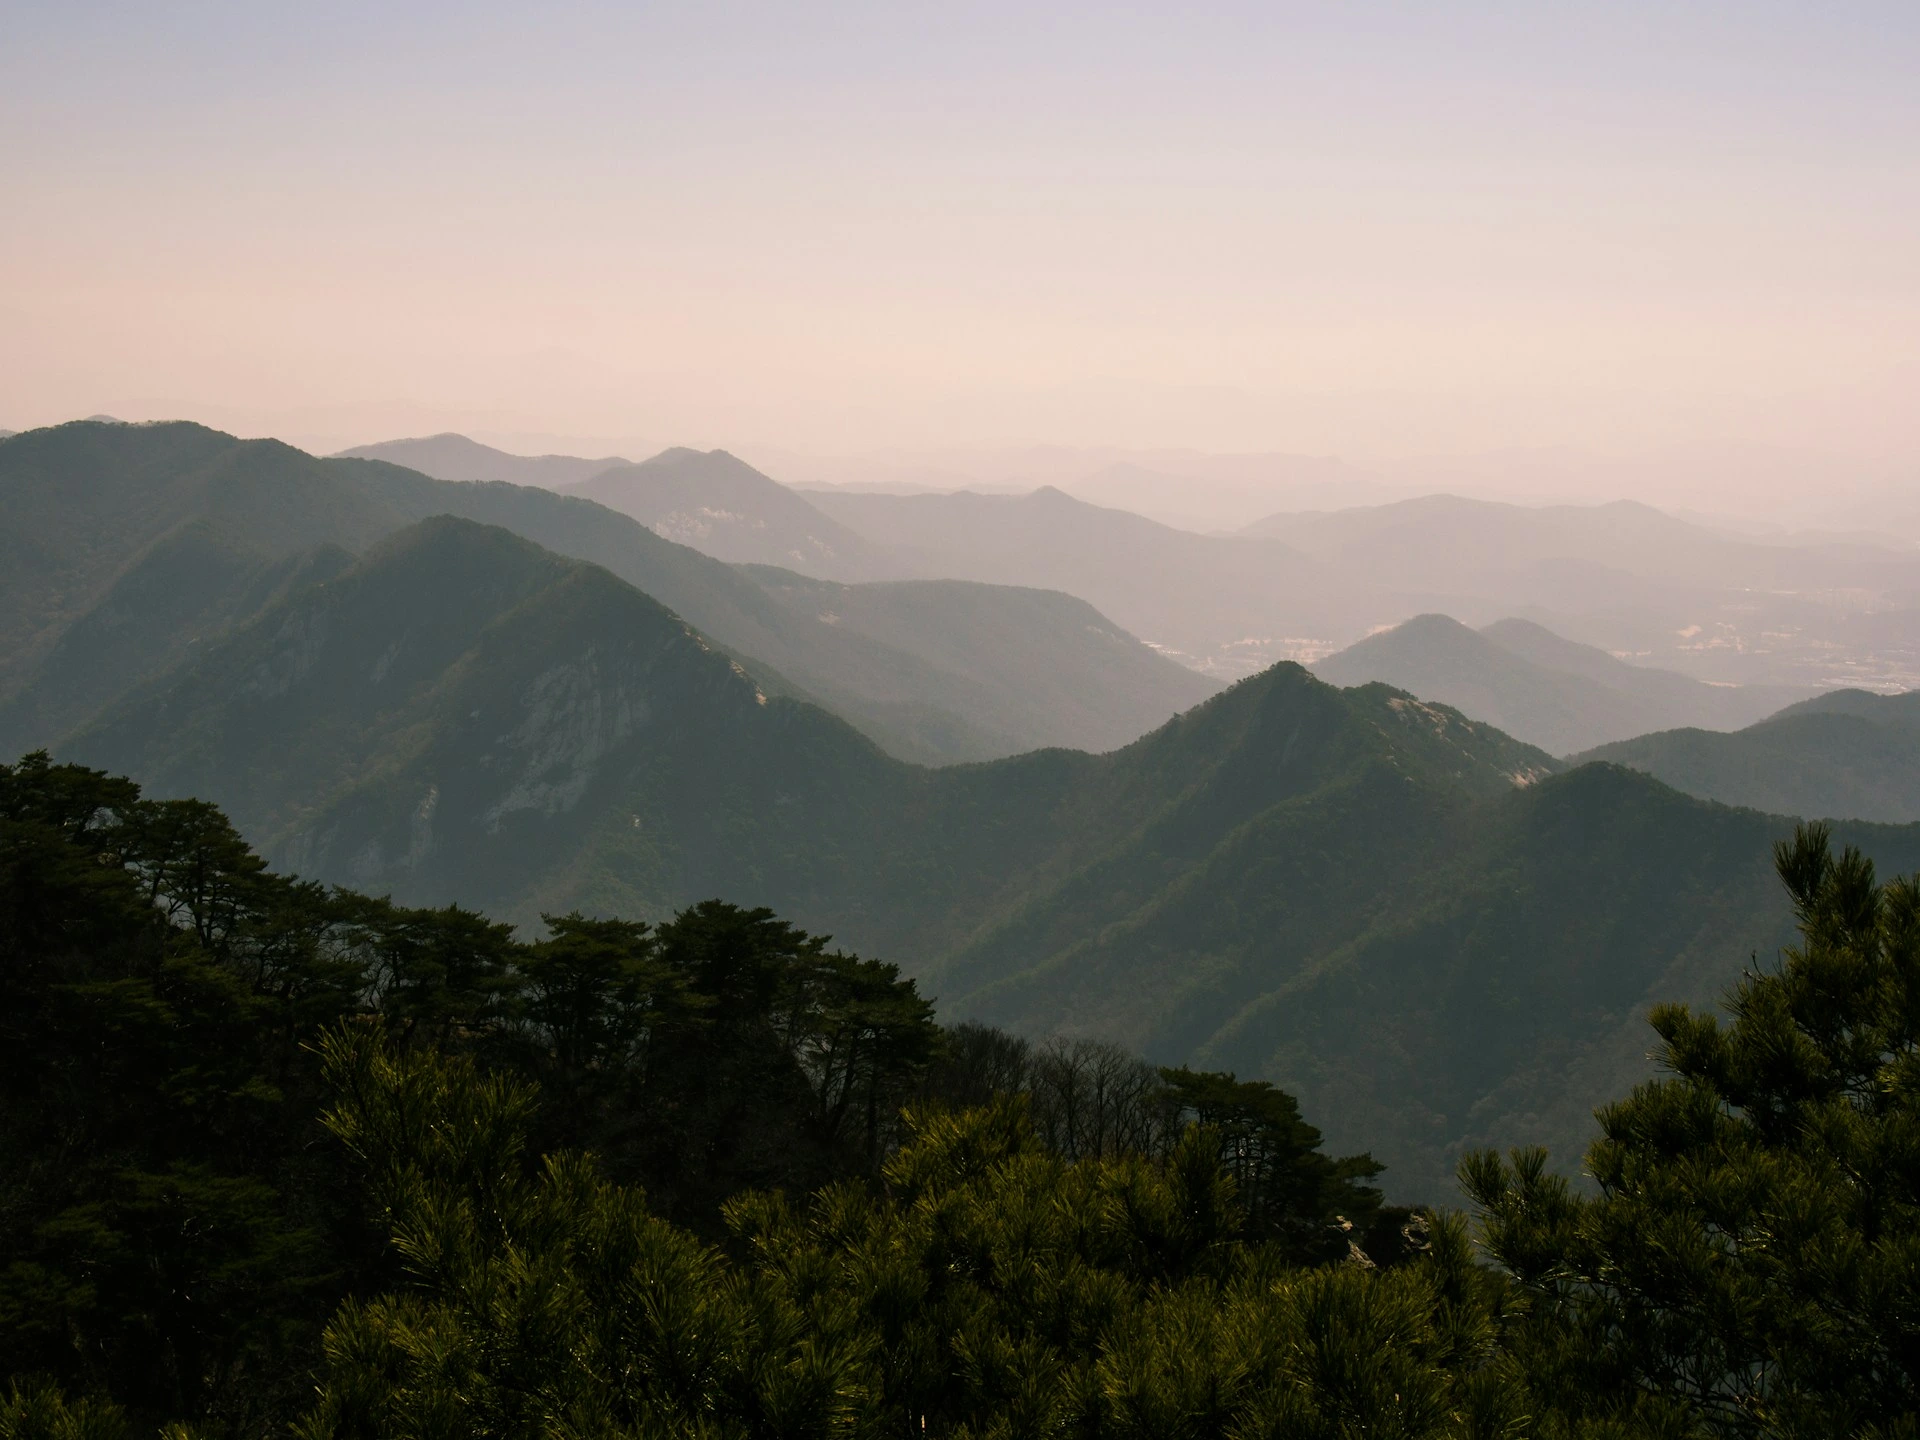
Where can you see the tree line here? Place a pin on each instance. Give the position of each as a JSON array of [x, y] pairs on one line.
[[276, 1158]]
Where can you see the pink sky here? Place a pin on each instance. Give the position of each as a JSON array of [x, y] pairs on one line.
[[1374, 232]]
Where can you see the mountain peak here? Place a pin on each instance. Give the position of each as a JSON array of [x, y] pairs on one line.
[[1541, 687], [715, 502]]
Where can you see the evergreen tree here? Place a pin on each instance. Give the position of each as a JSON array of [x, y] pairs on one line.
[[158, 1240], [1750, 1265], [542, 1299], [1315, 1207]]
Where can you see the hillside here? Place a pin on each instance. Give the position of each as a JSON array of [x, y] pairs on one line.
[[1023, 652], [414, 719], [455, 457], [122, 546], [126, 546], [1850, 754], [1541, 688], [1402, 914], [722, 506]]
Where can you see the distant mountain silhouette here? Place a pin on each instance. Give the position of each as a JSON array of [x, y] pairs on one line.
[[455, 457], [1446, 541], [126, 548], [722, 506], [1226, 604], [1217, 503], [1026, 653], [1541, 688], [1623, 577], [1629, 579], [1846, 755]]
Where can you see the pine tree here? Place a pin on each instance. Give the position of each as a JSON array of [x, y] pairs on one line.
[[1750, 1265]]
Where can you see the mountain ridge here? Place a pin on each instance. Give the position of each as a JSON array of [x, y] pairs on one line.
[[1539, 686], [718, 504], [452, 456], [1847, 755], [88, 506]]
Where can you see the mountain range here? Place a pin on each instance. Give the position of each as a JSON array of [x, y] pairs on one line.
[[1538, 687], [1226, 605], [1848, 753], [1435, 934], [1810, 612], [455, 457], [723, 507], [1346, 891], [1630, 579], [124, 547]]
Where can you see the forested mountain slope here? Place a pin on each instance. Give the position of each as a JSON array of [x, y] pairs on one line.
[[1404, 915], [122, 546], [1546, 690], [126, 546], [284, 1159], [1850, 754]]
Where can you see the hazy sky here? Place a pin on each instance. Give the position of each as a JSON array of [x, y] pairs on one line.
[[1364, 230]]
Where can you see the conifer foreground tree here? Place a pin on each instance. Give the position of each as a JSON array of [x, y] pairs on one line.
[[993, 1288], [1751, 1263]]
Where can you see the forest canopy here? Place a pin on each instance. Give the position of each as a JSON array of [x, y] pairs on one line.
[[279, 1158]]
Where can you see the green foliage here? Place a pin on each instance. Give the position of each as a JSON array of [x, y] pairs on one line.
[[1752, 1260], [155, 1237], [174, 1227], [41, 1412], [1316, 1208], [991, 1288], [542, 1299]]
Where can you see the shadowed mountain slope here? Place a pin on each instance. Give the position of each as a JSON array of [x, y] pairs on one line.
[[455, 457], [1534, 685], [124, 546], [1850, 754], [722, 506], [1403, 913]]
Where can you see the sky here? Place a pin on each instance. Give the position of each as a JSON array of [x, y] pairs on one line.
[[1368, 231]]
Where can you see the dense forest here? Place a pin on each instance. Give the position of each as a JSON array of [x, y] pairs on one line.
[[283, 1159]]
